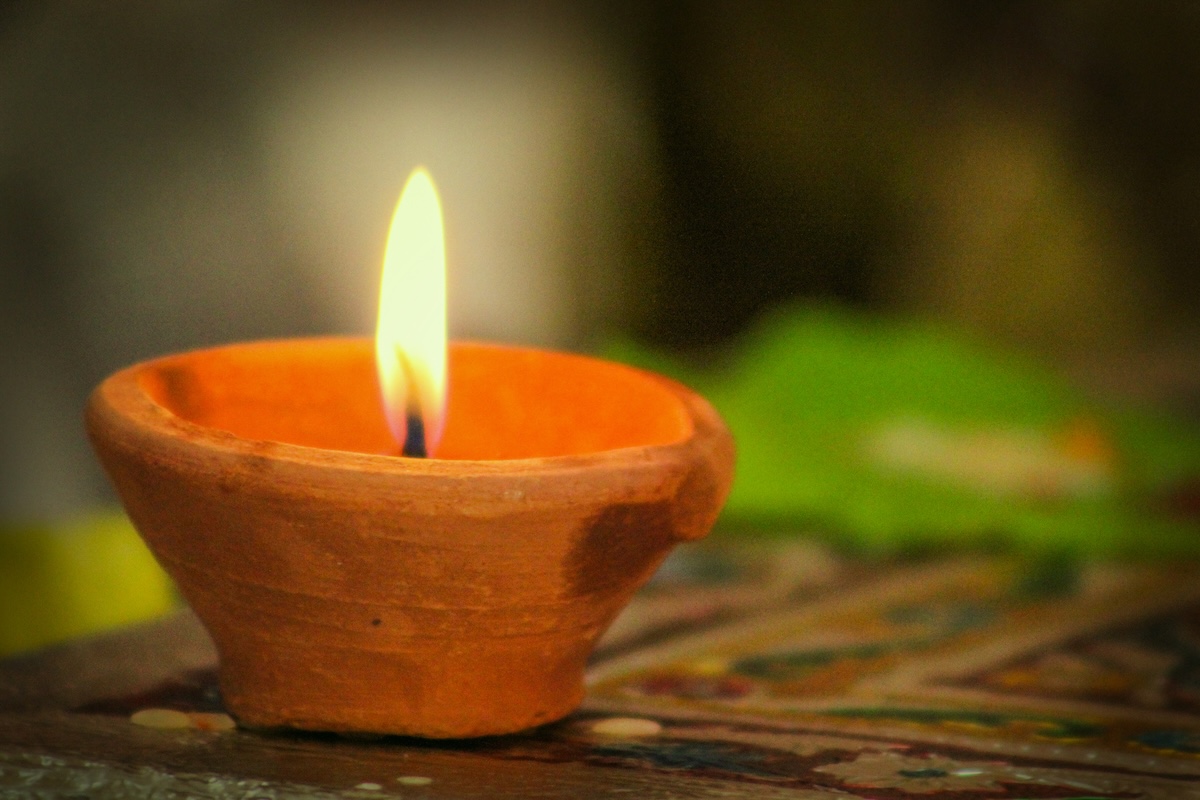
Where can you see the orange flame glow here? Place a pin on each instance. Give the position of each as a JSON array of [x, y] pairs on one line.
[[410, 337]]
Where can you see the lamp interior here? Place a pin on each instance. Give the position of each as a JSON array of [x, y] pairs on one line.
[[503, 402]]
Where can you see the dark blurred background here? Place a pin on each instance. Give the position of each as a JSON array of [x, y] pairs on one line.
[[182, 174]]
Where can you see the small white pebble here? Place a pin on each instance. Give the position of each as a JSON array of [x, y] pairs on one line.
[[369, 787], [163, 718], [626, 726], [414, 780]]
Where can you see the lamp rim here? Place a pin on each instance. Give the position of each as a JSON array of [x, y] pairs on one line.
[[122, 400]]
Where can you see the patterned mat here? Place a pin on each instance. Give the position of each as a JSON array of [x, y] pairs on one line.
[[957, 678], [766, 669]]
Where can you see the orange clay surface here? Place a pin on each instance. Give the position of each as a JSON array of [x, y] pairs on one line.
[[504, 403], [420, 597]]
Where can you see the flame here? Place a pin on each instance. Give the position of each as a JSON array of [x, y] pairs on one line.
[[410, 337]]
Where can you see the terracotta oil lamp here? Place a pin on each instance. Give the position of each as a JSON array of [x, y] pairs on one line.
[[349, 588]]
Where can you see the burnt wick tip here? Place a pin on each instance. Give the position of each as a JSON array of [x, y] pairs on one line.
[[414, 437]]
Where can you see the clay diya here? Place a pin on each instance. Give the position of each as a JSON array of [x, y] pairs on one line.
[[350, 589]]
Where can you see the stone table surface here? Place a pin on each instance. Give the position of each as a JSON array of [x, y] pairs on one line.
[[760, 670]]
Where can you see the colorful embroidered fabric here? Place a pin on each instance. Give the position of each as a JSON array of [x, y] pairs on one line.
[[996, 677]]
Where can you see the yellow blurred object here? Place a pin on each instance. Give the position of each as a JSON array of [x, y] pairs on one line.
[[76, 578]]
